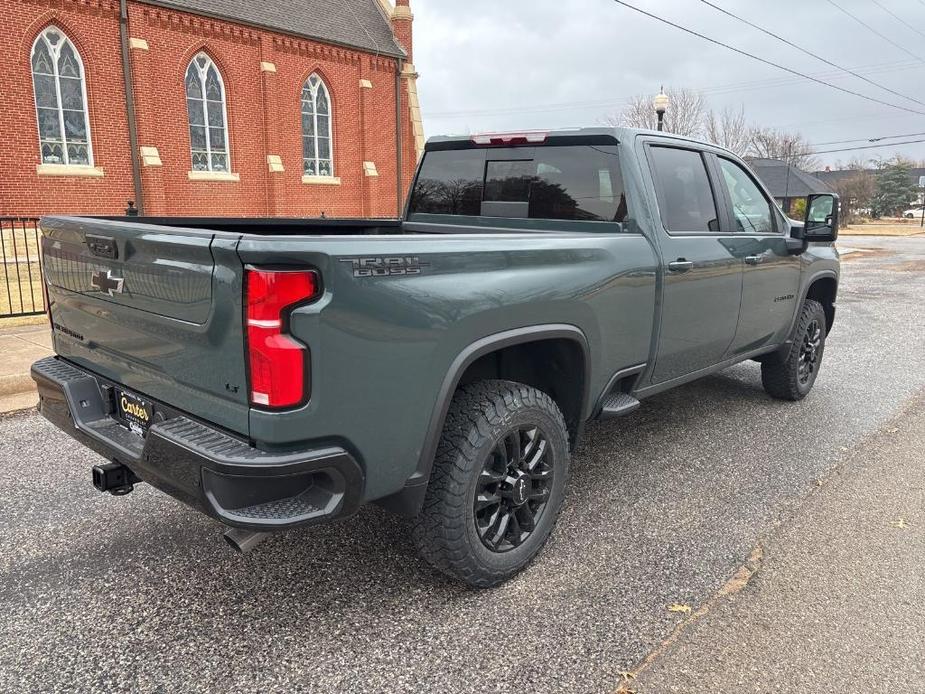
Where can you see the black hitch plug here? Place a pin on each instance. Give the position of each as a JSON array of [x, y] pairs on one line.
[[114, 478]]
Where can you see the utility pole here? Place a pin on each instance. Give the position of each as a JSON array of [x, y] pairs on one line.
[[922, 186]]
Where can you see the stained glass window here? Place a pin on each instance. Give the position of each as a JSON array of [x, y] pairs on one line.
[[60, 100], [317, 156], [205, 106]]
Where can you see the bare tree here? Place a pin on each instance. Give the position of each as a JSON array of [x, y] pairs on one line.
[[684, 115], [856, 193], [728, 129], [768, 143]]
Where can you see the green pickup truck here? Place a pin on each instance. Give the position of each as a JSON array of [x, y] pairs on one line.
[[281, 372]]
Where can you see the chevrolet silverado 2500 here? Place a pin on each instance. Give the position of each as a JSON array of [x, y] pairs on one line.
[[282, 372]]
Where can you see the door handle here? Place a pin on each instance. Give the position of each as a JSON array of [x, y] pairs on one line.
[[680, 265], [753, 259]]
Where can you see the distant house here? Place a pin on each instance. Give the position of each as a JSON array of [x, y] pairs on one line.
[[786, 182]]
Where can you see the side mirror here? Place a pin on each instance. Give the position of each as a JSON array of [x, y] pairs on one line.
[[821, 221]]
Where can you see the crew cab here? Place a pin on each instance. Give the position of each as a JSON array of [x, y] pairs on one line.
[[275, 373]]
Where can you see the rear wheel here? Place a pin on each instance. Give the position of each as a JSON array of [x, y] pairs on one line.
[[792, 376], [497, 484]]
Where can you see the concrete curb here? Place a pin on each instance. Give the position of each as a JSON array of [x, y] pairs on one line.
[[21, 402], [16, 384]]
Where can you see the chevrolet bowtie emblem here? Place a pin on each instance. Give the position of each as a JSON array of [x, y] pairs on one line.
[[106, 283]]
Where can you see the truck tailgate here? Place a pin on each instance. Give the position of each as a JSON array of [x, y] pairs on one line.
[[156, 309]]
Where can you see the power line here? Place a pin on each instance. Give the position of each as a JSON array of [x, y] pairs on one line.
[[728, 88], [853, 149], [810, 53], [885, 144], [898, 18], [874, 31], [766, 62], [866, 139]]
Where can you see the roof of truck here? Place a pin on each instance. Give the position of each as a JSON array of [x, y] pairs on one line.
[[617, 133]]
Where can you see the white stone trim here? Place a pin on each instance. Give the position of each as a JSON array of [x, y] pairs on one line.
[[275, 163], [266, 66], [369, 168], [402, 12], [150, 156], [321, 180], [366, 84], [138, 44], [213, 176], [414, 108], [77, 170]]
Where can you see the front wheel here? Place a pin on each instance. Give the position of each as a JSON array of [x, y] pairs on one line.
[[792, 376], [497, 484]]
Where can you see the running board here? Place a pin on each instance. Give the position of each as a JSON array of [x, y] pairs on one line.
[[617, 405]]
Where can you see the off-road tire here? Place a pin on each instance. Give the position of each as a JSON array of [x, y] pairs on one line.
[[480, 416], [780, 374]]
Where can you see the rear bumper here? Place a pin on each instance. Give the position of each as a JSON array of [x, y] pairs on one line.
[[205, 467]]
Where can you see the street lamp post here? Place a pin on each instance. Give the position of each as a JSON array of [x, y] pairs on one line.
[[661, 105]]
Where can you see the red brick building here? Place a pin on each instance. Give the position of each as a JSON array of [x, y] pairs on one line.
[[278, 107]]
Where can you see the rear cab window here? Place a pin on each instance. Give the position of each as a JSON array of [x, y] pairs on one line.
[[574, 183]]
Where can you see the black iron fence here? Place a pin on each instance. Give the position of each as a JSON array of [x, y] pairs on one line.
[[20, 267]]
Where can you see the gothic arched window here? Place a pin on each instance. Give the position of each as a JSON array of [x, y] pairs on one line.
[[60, 100], [205, 106], [317, 149]]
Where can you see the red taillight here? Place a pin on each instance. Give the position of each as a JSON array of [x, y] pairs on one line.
[[535, 137], [278, 364]]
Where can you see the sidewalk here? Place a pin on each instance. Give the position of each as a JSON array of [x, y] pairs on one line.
[[836, 602], [19, 348]]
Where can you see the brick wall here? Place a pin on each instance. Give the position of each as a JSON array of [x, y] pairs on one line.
[[94, 29], [264, 117]]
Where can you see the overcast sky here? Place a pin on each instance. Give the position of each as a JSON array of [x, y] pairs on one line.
[[511, 64]]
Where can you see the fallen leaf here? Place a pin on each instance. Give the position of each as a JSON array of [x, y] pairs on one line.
[[899, 523], [677, 607]]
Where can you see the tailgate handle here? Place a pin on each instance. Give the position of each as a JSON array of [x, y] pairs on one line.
[[102, 246]]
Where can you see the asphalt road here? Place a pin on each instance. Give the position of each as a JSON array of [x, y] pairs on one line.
[[138, 593]]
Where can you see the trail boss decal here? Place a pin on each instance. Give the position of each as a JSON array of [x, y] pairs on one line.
[[389, 266]]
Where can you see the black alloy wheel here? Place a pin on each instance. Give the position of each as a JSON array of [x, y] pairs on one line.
[[809, 351], [513, 489]]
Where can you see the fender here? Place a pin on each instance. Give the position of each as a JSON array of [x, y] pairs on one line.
[[818, 276], [409, 500]]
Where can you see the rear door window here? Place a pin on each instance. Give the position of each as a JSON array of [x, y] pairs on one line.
[[578, 183], [685, 196]]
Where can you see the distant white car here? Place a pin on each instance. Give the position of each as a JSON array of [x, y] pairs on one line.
[[912, 213]]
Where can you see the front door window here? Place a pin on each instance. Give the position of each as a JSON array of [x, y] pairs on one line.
[[750, 208]]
